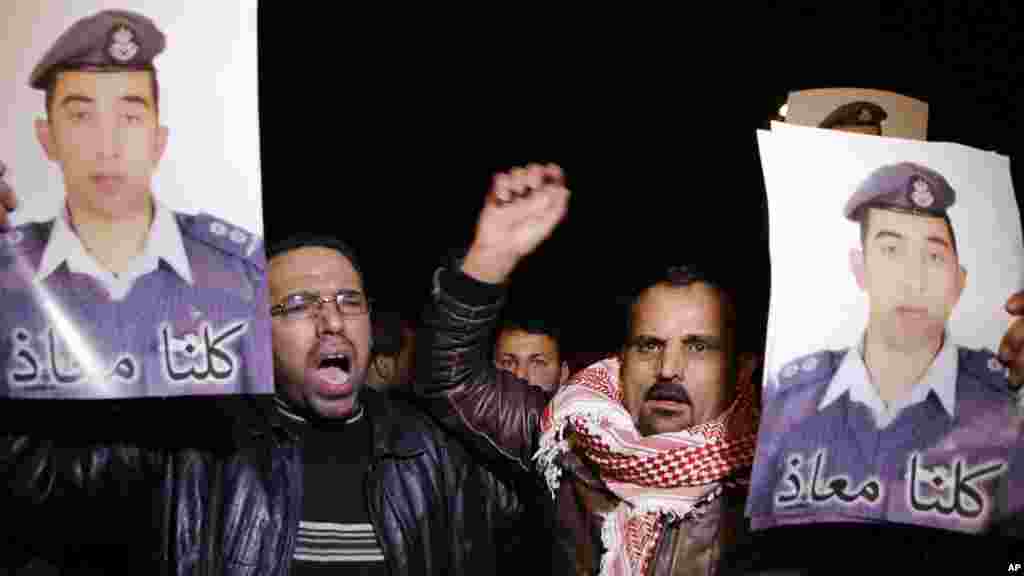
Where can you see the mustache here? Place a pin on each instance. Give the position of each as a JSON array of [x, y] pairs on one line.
[[668, 391]]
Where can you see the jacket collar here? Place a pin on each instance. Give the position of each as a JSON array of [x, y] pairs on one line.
[[393, 436]]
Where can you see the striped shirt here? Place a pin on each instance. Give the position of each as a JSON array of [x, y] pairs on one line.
[[335, 534], [336, 543]]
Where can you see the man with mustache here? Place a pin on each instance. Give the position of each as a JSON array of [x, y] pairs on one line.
[[145, 301], [906, 426], [640, 459]]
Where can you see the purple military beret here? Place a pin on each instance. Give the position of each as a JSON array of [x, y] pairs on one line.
[[112, 38], [904, 186]]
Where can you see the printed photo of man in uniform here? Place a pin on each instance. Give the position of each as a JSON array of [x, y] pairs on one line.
[[905, 426], [118, 295]]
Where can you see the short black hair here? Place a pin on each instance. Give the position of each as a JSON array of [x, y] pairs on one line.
[[310, 240], [862, 216], [533, 325], [746, 322], [51, 83]]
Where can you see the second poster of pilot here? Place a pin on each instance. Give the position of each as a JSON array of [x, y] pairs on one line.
[[892, 261]]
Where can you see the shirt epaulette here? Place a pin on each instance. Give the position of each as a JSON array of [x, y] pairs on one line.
[[817, 367], [24, 239], [224, 237]]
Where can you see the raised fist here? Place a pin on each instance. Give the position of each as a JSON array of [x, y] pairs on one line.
[[522, 209]]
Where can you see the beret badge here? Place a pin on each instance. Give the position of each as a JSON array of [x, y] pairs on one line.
[[122, 46], [920, 193]]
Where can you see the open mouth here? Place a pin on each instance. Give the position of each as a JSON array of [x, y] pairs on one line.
[[334, 369]]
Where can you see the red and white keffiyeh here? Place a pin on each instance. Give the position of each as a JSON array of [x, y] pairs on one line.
[[658, 477]]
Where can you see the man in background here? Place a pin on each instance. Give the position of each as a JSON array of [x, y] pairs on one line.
[[393, 365], [530, 348]]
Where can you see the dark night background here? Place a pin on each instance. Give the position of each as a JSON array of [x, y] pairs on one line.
[[386, 134]]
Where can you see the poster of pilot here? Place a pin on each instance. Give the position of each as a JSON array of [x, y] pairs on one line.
[[883, 401], [133, 264]]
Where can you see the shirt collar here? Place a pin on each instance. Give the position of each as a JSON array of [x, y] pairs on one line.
[[288, 412], [939, 378], [62, 245], [941, 375], [851, 369], [164, 242]]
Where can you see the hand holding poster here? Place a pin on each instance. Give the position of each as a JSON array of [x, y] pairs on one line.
[[883, 400], [116, 283]]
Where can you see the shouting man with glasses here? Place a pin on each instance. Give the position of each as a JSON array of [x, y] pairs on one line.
[[381, 489], [322, 327]]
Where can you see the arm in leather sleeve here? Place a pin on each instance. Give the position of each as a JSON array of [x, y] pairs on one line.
[[53, 450], [58, 489], [485, 407]]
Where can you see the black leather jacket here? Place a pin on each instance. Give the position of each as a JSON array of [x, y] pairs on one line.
[[235, 510], [500, 417]]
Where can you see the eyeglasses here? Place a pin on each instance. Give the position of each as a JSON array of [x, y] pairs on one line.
[[306, 305]]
